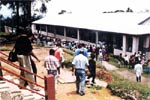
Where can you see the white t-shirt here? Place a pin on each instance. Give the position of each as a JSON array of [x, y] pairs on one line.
[[80, 61]]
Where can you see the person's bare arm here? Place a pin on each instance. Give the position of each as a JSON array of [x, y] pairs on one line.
[[32, 54]]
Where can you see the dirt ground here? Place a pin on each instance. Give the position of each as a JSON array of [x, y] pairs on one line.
[[67, 91]]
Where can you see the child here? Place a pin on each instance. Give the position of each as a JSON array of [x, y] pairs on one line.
[[92, 68]]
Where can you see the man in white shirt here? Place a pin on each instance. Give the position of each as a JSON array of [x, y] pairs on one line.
[[138, 71], [80, 63]]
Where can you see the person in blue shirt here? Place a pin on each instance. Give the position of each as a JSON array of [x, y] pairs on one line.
[[81, 46]]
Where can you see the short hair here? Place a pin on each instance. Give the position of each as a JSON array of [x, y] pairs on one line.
[[58, 44], [29, 32], [51, 52], [92, 56], [21, 31]]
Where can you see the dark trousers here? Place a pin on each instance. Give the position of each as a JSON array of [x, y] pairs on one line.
[[138, 79], [93, 75]]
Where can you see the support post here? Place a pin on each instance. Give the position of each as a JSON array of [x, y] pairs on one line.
[[49, 87]]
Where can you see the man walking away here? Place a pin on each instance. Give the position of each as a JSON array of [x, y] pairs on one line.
[[52, 64], [80, 63]]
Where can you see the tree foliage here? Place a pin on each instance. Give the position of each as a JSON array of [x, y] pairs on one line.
[[24, 18]]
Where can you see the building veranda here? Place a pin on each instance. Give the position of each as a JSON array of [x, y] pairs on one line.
[[124, 33]]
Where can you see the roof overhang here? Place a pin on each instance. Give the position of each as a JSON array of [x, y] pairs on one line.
[[126, 23]]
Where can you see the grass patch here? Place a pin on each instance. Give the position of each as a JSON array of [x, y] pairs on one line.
[[2, 33], [127, 89]]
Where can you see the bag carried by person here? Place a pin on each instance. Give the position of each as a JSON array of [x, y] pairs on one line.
[[12, 55]]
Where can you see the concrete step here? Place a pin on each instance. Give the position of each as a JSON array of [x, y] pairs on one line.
[[27, 95], [9, 91]]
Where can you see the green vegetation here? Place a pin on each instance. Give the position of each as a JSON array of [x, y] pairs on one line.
[[126, 89], [119, 86], [2, 33]]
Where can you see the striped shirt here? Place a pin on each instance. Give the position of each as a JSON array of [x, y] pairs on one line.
[[51, 62]]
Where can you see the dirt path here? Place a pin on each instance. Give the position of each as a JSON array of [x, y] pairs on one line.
[[66, 91], [125, 73], [131, 76]]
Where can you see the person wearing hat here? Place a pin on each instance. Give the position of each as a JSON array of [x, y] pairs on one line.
[[80, 63]]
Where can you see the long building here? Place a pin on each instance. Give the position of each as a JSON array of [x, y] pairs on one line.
[[124, 33]]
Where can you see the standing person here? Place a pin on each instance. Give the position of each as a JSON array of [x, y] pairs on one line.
[[80, 63], [92, 68], [97, 53], [59, 54], [120, 59], [24, 51], [138, 71], [148, 66], [132, 61], [85, 50], [126, 59], [34, 68], [77, 50], [52, 64], [100, 56]]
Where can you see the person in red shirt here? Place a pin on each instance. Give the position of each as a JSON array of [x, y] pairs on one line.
[[59, 54]]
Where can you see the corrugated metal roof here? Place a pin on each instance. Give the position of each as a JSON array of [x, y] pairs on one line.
[[127, 23]]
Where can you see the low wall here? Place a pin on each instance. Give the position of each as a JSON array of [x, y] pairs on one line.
[[117, 52]]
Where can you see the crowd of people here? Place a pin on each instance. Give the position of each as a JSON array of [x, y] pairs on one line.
[[137, 61], [85, 57]]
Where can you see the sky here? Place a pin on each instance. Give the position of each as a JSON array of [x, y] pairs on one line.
[[92, 6]]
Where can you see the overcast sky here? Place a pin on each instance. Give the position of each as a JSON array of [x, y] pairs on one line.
[[92, 6], [97, 5]]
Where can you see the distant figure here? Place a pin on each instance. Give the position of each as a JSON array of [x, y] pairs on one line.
[[92, 68], [52, 65], [80, 63], [137, 56], [77, 50], [97, 53], [126, 58], [81, 46], [85, 49], [138, 71], [100, 56], [148, 66], [59, 54], [120, 58], [132, 61]]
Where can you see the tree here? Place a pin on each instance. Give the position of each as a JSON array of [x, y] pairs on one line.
[[25, 5]]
